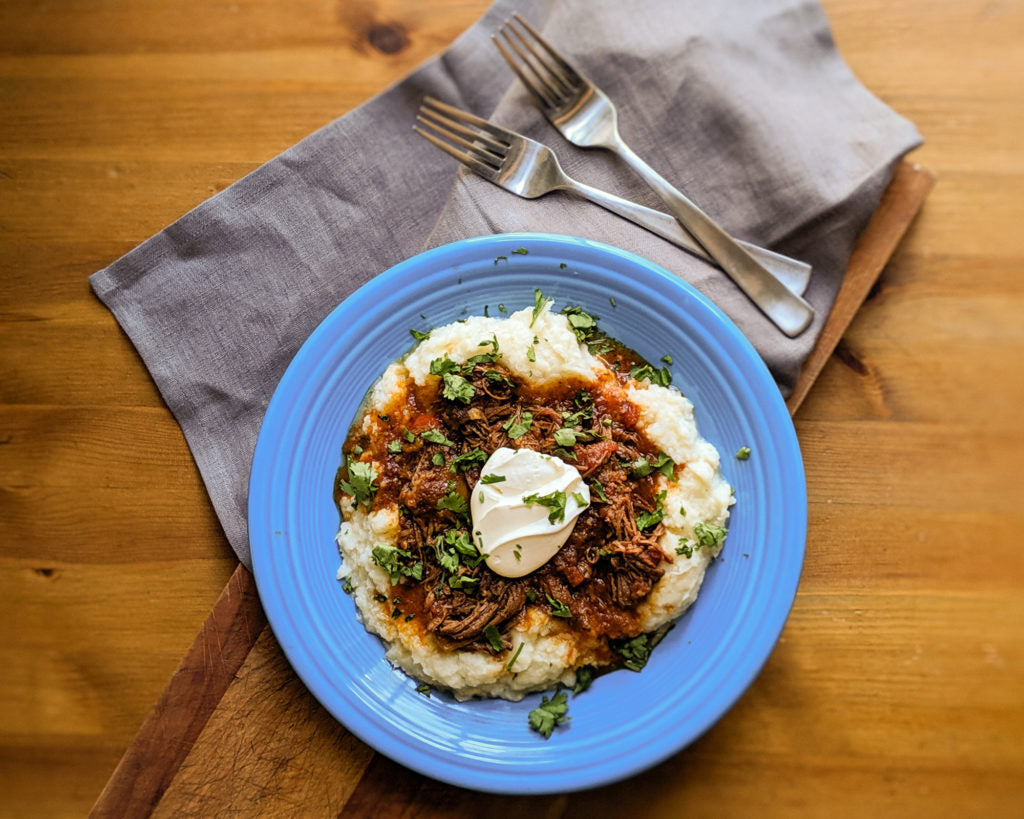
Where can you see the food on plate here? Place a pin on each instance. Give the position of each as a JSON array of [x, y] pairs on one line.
[[524, 501]]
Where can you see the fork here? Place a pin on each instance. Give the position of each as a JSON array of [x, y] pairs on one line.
[[530, 169], [586, 117]]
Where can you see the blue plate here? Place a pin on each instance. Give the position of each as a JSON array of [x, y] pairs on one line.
[[627, 721]]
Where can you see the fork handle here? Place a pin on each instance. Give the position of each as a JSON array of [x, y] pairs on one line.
[[788, 311], [791, 273]]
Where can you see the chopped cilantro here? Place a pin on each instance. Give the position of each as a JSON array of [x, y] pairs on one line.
[[521, 251], [641, 468], [394, 447], [558, 608], [531, 353], [515, 657], [387, 557], [492, 478], [709, 535], [424, 689], [494, 638], [743, 453], [457, 388], [454, 502], [518, 425], [549, 714], [500, 259], [584, 677], [565, 437], [667, 359], [648, 520], [467, 460], [611, 300], [598, 488], [463, 581], [531, 595], [359, 485], [656, 376], [501, 308], [409, 437], [635, 652], [685, 548], [435, 436], [419, 335], [555, 501], [538, 304], [562, 265], [437, 459], [347, 586]]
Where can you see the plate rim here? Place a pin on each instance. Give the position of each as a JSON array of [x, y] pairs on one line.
[[454, 773]]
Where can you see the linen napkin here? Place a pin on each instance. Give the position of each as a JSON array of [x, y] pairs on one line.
[[745, 105]]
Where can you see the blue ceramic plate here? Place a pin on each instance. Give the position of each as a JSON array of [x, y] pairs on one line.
[[627, 721]]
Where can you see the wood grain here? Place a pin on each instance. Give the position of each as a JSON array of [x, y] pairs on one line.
[[288, 750], [896, 688]]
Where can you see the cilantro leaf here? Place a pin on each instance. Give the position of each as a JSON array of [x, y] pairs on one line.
[[538, 304], [467, 460], [518, 425], [492, 478], [359, 485], [494, 639], [635, 652], [558, 608], [709, 535], [435, 436], [549, 714], [419, 335], [457, 388], [555, 501]]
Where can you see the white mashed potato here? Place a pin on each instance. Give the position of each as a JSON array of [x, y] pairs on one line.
[[546, 651]]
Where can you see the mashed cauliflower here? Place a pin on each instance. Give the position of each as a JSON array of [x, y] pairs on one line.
[[539, 349]]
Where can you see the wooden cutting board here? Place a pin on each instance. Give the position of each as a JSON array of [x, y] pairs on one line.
[[236, 731]]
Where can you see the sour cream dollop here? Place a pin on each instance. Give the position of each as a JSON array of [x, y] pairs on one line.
[[524, 508]]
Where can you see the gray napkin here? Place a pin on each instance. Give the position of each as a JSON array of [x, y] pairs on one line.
[[745, 105]]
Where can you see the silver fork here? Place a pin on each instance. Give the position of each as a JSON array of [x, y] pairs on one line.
[[529, 169], [585, 116]]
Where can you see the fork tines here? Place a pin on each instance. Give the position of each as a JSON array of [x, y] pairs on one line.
[[483, 144], [541, 68]]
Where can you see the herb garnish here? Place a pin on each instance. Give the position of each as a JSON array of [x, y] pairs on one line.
[[360, 486], [387, 557], [435, 436], [635, 652], [467, 460], [515, 657], [555, 501], [558, 608], [419, 335], [518, 425], [394, 447], [494, 638], [538, 304], [549, 714], [656, 376], [709, 535], [743, 453], [492, 478], [648, 520]]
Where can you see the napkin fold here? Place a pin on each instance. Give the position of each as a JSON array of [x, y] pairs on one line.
[[745, 105]]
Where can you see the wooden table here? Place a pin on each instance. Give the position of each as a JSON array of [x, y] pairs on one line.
[[898, 685]]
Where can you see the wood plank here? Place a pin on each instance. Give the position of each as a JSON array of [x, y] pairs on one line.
[[386, 787], [165, 739], [900, 203]]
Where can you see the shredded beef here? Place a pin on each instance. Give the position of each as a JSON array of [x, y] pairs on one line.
[[607, 566]]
